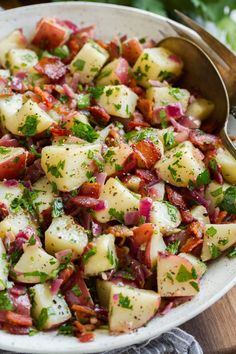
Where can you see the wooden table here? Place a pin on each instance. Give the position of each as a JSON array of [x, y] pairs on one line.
[[215, 328]]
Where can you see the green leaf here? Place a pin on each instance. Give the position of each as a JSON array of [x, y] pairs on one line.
[[124, 301], [57, 207], [172, 211], [30, 126], [62, 52], [173, 247], [5, 301], [76, 290], [55, 169], [214, 250], [4, 151], [217, 192], [203, 178], [79, 64], [84, 131], [43, 317], [96, 92], [229, 202], [67, 329], [118, 215], [184, 275], [91, 252], [232, 253], [83, 101], [169, 140], [211, 231]]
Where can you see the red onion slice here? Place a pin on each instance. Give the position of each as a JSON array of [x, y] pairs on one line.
[[145, 208]]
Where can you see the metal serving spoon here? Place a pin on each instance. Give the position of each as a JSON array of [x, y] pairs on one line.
[[210, 70]]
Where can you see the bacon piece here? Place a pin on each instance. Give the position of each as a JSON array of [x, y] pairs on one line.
[[191, 244], [84, 299], [137, 121], [85, 202], [220, 217], [120, 231], [90, 190], [53, 68], [196, 229], [100, 114], [143, 233], [65, 274], [18, 319], [56, 131], [7, 141], [145, 106], [186, 216], [204, 141], [47, 99], [147, 153], [86, 337], [114, 48], [131, 50], [34, 171], [175, 198], [146, 175]]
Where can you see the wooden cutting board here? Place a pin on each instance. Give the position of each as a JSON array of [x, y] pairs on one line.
[[215, 328]]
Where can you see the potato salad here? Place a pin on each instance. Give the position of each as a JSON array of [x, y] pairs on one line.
[[115, 190]]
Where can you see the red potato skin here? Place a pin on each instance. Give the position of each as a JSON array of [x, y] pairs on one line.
[[131, 50], [49, 35], [13, 167]]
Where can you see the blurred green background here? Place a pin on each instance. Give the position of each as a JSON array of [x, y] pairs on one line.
[[218, 16]]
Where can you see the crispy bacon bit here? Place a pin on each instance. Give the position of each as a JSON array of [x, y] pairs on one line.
[[114, 48], [204, 141], [221, 217], [186, 216], [53, 68], [143, 233], [137, 121], [113, 138], [191, 244], [145, 106], [56, 131], [120, 231], [90, 190], [34, 171], [86, 337], [146, 176], [196, 229], [85, 202], [18, 319], [65, 274], [131, 50], [47, 99], [83, 309], [175, 198], [147, 153], [100, 114]]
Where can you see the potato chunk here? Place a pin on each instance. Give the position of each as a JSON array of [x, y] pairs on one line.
[[29, 120], [8, 108], [104, 289], [4, 267], [14, 223], [131, 308], [35, 265], [156, 64], [119, 200], [52, 307], [215, 192], [165, 216], [200, 108], [114, 73], [118, 100], [44, 195], [67, 165], [89, 61], [21, 60], [14, 40], [103, 256], [200, 213], [217, 238], [155, 245], [64, 233], [180, 165], [8, 193], [228, 165], [164, 96], [197, 264], [115, 157], [176, 276], [12, 162]]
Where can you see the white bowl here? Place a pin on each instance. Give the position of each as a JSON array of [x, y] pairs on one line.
[[221, 275]]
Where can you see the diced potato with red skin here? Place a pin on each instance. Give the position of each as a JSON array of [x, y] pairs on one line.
[[131, 50], [44, 195], [217, 238], [156, 64], [228, 165], [155, 245], [215, 192], [15, 39], [165, 216], [89, 61], [131, 308], [12, 162], [176, 276], [50, 34], [30, 115], [115, 158], [197, 264], [118, 100], [200, 108], [114, 73], [14, 223], [164, 96]]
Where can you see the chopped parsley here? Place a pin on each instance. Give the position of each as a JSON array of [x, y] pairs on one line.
[[217, 192], [139, 135], [4, 151], [30, 126], [195, 285], [232, 253], [213, 165], [229, 202], [76, 290], [211, 231], [176, 92], [34, 151], [162, 115], [83, 101], [165, 75], [203, 178], [108, 157], [124, 301], [172, 211], [32, 241], [104, 73], [79, 64], [5, 301], [117, 106], [118, 215], [55, 169], [62, 52], [43, 317], [169, 140], [215, 251], [67, 329], [173, 173], [111, 257], [173, 247], [84, 131], [96, 92], [42, 275], [57, 207], [138, 74], [184, 275], [91, 252]]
